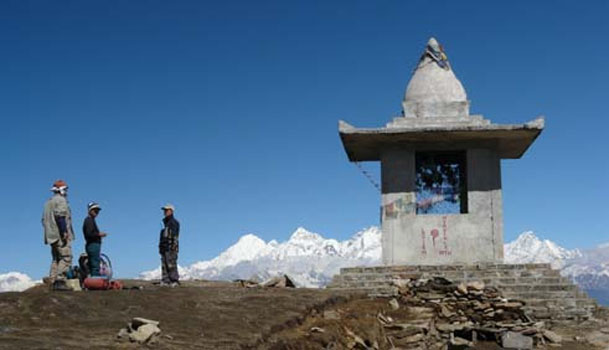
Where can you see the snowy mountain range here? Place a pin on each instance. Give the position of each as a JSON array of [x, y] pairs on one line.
[[587, 268], [591, 272], [308, 258], [311, 260], [15, 282]]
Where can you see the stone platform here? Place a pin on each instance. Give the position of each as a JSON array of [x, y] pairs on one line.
[[546, 293]]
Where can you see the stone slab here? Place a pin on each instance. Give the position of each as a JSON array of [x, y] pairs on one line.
[[511, 140]]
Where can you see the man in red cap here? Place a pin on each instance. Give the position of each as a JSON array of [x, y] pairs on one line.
[[58, 233]]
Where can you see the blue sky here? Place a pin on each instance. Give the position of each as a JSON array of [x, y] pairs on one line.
[[229, 110]]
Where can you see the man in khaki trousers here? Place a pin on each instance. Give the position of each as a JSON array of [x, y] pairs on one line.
[[58, 233]]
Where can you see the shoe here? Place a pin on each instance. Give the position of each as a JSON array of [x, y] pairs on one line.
[[164, 284], [174, 284], [61, 286]]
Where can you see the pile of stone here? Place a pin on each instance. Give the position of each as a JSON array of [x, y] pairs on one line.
[[459, 315], [140, 330]]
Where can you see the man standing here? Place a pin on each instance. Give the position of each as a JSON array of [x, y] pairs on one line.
[[168, 248], [93, 237], [58, 233]]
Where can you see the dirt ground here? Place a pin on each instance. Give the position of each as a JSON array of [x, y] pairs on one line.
[[197, 315]]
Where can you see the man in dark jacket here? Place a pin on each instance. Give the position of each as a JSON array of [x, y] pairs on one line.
[[93, 237], [168, 247]]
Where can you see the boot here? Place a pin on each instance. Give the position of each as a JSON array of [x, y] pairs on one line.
[[61, 286]]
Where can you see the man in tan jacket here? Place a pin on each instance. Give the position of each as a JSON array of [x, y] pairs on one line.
[[58, 233]]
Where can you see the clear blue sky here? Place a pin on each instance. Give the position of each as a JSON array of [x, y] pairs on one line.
[[229, 110]]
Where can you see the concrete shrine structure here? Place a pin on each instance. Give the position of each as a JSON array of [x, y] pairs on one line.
[[441, 207], [440, 171]]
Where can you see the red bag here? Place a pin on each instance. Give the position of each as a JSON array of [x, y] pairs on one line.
[[96, 283]]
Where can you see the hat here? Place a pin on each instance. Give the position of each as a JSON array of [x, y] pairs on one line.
[[59, 186], [60, 183], [93, 205], [168, 206]]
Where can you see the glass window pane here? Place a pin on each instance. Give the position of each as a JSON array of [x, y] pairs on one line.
[[441, 183]]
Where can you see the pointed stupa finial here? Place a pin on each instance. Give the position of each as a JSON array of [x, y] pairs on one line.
[[434, 90]]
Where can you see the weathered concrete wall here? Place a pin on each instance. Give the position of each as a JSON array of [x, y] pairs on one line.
[[474, 237]]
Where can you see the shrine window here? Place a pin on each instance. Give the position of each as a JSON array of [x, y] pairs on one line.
[[441, 186]]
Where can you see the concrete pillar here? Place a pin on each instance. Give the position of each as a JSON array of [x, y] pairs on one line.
[[398, 192]]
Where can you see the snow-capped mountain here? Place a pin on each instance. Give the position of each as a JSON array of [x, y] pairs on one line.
[[587, 268], [528, 248], [591, 270], [15, 282], [311, 260], [307, 257]]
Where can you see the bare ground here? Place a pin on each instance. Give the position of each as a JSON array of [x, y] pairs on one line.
[[197, 315]]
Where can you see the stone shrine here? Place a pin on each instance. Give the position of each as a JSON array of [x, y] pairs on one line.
[[440, 170], [441, 207]]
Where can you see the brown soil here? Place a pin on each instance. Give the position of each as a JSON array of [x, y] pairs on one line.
[[197, 315]]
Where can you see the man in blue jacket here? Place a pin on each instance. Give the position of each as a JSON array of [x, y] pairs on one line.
[[93, 237], [168, 248]]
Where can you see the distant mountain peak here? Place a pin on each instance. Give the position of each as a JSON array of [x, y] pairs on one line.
[[369, 233], [250, 238], [302, 234], [528, 248], [527, 236], [247, 248]]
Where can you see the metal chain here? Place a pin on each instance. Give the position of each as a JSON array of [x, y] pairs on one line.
[[368, 176]]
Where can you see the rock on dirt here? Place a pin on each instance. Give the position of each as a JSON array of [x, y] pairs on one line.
[[279, 282], [140, 330], [598, 338], [274, 282], [136, 322], [516, 341], [551, 336], [144, 333]]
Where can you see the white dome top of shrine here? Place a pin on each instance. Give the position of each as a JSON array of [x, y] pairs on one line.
[[433, 80]]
